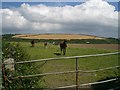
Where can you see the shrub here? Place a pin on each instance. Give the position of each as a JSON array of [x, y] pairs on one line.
[[14, 50]]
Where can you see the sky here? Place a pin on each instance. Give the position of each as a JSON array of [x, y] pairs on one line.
[[92, 17]]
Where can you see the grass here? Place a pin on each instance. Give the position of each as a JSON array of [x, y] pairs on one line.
[[40, 52]]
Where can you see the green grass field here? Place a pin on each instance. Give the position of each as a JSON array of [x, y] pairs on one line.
[[40, 52]]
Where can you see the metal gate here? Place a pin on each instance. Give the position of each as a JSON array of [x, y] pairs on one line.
[[76, 71]]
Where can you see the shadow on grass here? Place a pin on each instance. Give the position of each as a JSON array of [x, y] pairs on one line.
[[57, 53], [111, 85]]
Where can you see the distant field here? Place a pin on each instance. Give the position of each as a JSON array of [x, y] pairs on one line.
[[56, 36], [97, 46]]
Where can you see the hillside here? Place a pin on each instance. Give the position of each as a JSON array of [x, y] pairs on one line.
[[71, 38], [57, 36]]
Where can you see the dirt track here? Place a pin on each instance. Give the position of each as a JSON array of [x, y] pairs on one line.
[[99, 46]]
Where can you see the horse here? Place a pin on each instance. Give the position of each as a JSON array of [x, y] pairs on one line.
[[45, 44], [32, 43], [63, 46]]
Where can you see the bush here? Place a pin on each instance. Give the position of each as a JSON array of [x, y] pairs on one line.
[[14, 50]]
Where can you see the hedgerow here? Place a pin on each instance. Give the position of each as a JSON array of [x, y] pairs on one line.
[[14, 51]]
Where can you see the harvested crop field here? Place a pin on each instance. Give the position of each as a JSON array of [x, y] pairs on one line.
[[56, 36], [98, 46]]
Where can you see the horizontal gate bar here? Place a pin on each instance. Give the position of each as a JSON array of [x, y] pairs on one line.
[[72, 57], [65, 72], [86, 84]]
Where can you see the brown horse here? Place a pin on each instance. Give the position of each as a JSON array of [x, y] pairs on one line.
[[63, 46], [32, 43], [45, 44]]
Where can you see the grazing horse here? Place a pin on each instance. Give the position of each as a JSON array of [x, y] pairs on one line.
[[63, 46]]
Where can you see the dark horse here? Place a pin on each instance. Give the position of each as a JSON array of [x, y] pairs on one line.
[[45, 44], [32, 43], [63, 46]]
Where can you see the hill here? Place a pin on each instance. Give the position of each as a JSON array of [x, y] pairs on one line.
[[71, 38], [57, 36]]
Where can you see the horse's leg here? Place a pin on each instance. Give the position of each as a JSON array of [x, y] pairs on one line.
[[64, 51], [61, 49], [32, 45]]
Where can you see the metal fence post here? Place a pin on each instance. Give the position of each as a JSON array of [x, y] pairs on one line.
[[76, 73], [4, 76]]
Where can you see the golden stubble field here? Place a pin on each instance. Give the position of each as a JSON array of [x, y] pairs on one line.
[[57, 36]]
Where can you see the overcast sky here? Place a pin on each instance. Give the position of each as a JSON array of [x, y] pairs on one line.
[[93, 17]]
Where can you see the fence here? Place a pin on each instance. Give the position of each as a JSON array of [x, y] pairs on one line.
[[64, 72]]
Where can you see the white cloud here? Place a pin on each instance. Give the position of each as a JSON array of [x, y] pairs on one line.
[[13, 19], [95, 17]]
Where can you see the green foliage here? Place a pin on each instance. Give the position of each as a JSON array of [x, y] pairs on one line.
[[95, 41], [15, 51]]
